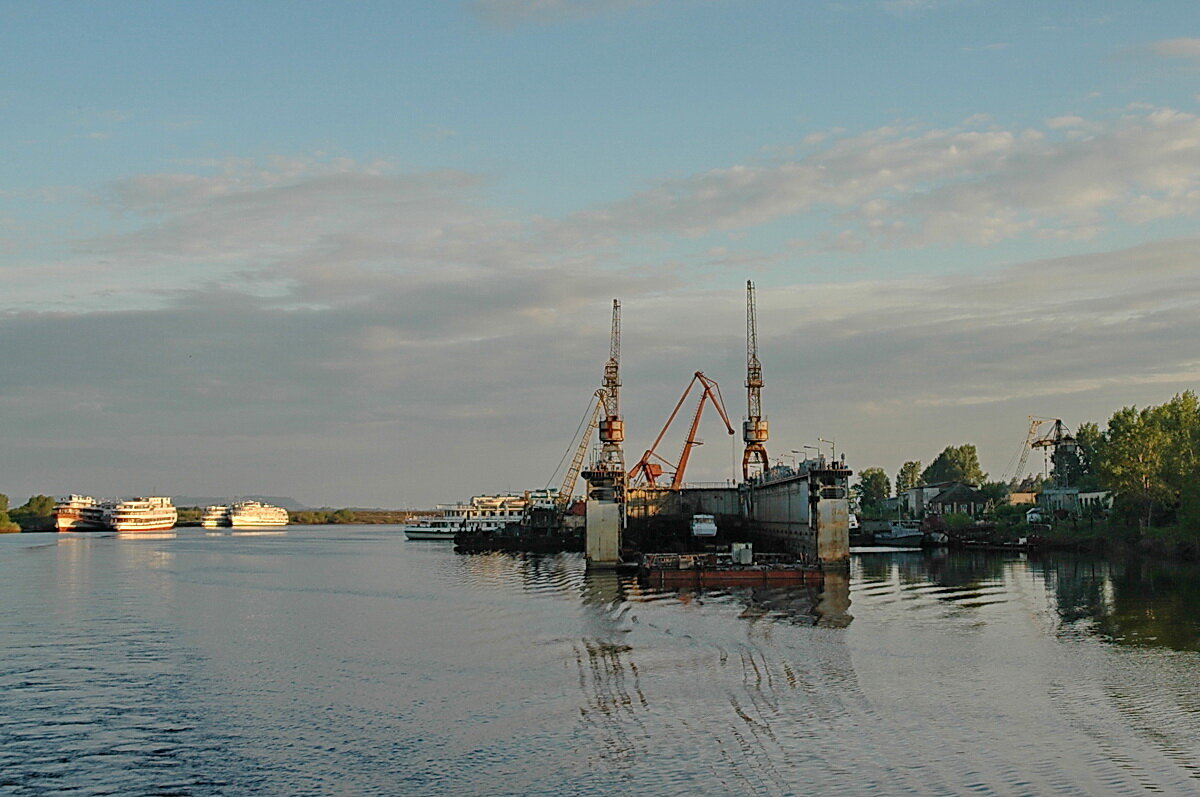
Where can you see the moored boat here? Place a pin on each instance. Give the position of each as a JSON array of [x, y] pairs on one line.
[[484, 513], [437, 528], [704, 526], [79, 513], [254, 514], [901, 534], [154, 513], [215, 516]]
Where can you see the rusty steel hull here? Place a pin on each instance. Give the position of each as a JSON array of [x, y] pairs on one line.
[[730, 577]]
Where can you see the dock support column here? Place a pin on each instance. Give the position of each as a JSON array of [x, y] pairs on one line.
[[833, 533], [603, 533]]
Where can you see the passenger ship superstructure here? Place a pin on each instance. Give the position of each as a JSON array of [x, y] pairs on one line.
[[253, 514], [482, 513], [79, 513], [154, 513], [215, 516]]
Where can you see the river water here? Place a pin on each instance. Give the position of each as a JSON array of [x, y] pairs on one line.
[[346, 660]]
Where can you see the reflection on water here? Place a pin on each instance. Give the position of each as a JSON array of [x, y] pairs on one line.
[[346, 660]]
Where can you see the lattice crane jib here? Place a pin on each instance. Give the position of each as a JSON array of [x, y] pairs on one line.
[[567, 490]]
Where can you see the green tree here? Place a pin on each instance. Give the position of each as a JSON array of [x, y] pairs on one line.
[[996, 492], [955, 464], [6, 525], [1179, 420], [37, 506], [908, 476], [1090, 438], [1130, 463], [35, 514], [874, 485]]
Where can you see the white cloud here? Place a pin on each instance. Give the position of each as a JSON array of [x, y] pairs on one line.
[[910, 187], [1188, 49]]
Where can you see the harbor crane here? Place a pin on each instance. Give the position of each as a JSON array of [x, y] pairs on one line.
[[612, 427], [646, 471], [754, 428], [1058, 438], [1062, 451]]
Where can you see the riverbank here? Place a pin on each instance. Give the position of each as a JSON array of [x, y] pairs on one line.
[[1168, 543]]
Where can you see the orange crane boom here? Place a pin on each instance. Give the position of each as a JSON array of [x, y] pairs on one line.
[[646, 471]]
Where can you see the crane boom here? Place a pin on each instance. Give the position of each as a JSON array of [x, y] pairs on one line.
[[1035, 423], [648, 471], [572, 475], [692, 441]]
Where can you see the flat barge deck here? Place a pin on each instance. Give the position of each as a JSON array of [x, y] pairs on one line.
[[720, 570]]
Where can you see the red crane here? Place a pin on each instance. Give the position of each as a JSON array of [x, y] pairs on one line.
[[647, 471]]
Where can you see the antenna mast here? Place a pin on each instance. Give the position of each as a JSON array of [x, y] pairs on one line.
[[754, 428]]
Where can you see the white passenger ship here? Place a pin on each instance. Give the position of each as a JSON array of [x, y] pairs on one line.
[[483, 513], [215, 516], [253, 514], [79, 513], [154, 513]]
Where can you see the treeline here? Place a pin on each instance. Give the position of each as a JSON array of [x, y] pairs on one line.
[[320, 517], [1149, 459], [359, 516], [36, 514]]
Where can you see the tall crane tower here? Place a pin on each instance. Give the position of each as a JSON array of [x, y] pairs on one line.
[[612, 428], [754, 428], [605, 512]]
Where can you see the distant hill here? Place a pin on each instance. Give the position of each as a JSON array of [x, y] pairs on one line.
[[290, 504]]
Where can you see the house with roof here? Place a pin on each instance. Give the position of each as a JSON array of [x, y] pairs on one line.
[[914, 500], [942, 499], [959, 498]]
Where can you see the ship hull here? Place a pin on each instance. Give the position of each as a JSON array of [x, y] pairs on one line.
[[165, 525], [66, 523]]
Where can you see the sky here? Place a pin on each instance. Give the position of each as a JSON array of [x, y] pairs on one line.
[[364, 254]]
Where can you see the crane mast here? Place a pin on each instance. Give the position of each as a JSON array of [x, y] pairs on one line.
[[612, 428], [754, 428]]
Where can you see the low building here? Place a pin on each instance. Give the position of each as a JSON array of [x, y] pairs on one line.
[[915, 500], [959, 498], [1072, 501]]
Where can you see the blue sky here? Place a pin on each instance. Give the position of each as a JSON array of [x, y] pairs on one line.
[[364, 253]]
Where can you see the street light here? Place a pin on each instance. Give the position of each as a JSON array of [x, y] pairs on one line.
[[806, 448], [832, 450]]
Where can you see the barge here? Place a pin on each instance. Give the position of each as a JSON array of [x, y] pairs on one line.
[[671, 570]]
